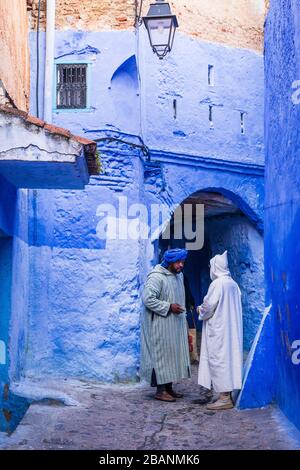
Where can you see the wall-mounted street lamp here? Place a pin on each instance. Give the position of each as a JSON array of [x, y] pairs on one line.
[[161, 26]]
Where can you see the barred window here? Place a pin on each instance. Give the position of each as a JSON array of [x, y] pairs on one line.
[[71, 86]]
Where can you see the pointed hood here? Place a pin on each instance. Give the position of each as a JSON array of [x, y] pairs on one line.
[[161, 270], [219, 266]]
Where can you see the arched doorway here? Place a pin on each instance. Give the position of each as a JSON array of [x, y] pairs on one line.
[[228, 225]]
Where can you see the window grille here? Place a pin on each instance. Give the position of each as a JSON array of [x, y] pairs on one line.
[[71, 86]]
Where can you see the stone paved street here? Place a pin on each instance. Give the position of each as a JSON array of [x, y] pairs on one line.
[[127, 417]]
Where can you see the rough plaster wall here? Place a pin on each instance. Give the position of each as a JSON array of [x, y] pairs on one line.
[[67, 259], [109, 54], [84, 300], [282, 199], [14, 282], [246, 259], [274, 374], [237, 23], [20, 287], [87, 15], [115, 102], [14, 64], [238, 87]]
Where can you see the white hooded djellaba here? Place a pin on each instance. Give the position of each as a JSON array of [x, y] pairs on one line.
[[221, 359]]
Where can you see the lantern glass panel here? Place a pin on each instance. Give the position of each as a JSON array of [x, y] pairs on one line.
[[159, 31]]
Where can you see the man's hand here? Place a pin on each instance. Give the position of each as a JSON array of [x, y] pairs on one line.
[[176, 308]]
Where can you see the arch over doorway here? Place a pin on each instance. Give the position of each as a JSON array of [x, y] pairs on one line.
[[229, 224]]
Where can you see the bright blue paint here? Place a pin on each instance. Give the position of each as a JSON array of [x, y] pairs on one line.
[[12, 408], [282, 201], [258, 389], [179, 133], [7, 206], [238, 78], [105, 100], [273, 374], [13, 300], [84, 299], [127, 72], [5, 299], [97, 335]]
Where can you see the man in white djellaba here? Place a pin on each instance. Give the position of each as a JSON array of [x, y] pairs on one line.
[[221, 355]]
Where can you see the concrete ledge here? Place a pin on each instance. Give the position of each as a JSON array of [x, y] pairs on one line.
[[37, 155]]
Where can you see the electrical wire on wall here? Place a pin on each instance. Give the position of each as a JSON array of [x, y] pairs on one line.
[[38, 59]]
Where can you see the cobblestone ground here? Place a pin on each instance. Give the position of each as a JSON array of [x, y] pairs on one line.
[[127, 417]]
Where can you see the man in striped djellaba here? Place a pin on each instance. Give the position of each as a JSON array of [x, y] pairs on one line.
[[164, 330]]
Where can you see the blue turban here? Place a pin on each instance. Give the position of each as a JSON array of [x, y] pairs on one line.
[[171, 256]]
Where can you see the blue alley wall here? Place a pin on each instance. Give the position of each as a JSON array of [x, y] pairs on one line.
[[170, 108], [276, 364], [84, 299], [5, 314], [177, 96], [13, 307]]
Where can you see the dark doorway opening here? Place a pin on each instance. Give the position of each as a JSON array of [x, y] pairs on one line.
[[226, 227]]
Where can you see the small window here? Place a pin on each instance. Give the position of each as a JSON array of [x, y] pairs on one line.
[[71, 86]]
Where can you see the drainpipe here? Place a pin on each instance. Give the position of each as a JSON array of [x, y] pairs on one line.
[[49, 60]]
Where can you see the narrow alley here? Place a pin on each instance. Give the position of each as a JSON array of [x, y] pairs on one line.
[[127, 417]]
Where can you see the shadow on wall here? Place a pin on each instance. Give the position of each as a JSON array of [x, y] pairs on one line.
[[124, 88]]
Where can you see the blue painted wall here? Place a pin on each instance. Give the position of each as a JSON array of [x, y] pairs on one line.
[[282, 197], [113, 84], [13, 308], [132, 91], [5, 314], [7, 206], [84, 298], [275, 371], [183, 76]]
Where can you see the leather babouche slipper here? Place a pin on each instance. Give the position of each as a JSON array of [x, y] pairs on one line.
[[164, 396]]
